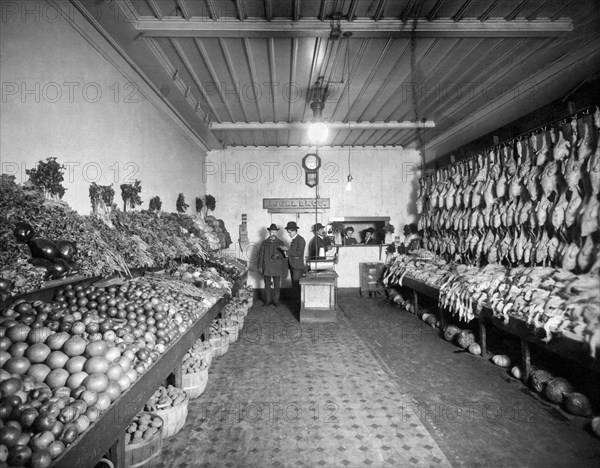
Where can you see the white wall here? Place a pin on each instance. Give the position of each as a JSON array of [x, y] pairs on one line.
[[112, 137], [385, 184]]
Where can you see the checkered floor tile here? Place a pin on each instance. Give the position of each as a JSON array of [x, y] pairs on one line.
[[298, 395]]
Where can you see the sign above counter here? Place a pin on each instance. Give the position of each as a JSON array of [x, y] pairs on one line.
[[295, 205]]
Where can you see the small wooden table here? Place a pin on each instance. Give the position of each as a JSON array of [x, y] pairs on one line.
[[318, 296]]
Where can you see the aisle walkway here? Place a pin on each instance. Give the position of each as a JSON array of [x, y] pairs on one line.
[[377, 389], [287, 395]]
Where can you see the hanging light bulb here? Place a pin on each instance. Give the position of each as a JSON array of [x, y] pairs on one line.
[[317, 130], [349, 184]]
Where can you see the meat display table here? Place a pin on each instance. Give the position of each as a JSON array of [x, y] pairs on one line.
[[318, 296], [569, 347]]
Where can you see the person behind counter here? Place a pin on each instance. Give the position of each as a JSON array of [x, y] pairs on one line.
[[319, 244], [412, 240], [369, 239], [348, 239], [272, 264]]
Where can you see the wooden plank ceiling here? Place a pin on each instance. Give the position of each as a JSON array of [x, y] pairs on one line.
[[255, 61]]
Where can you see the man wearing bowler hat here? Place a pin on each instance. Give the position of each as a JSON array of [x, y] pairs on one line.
[[295, 255], [318, 245], [272, 264]]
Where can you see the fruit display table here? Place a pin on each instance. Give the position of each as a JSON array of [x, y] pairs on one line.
[[107, 435]]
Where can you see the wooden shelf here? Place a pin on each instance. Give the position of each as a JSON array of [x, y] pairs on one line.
[[106, 434]]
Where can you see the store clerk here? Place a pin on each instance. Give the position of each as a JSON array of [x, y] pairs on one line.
[[318, 244], [348, 239], [369, 239]]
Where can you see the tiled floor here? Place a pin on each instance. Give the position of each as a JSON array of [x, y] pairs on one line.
[[372, 390], [294, 396]]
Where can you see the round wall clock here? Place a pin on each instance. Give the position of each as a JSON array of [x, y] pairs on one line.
[[311, 162]]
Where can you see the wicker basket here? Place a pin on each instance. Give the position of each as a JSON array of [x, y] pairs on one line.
[[206, 355], [195, 384], [174, 418], [146, 454], [220, 345]]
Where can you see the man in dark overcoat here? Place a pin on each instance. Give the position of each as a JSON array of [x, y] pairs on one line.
[[272, 264]]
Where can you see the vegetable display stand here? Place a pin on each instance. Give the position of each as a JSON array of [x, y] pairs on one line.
[[173, 417], [107, 434], [145, 454], [195, 384]]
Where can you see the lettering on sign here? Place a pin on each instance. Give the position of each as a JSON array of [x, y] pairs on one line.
[[295, 204]]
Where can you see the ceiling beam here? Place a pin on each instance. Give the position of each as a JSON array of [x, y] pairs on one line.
[[486, 14], [513, 14], [358, 28], [563, 7], [212, 11], [461, 11], [407, 10], [379, 10], [434, 11], [352, 10], [296, 8], [270, 126], [184, 9], [503, 107], [130, 12], [322, 11], [268, 6], [540, 7], [155, 9], [239, 7]]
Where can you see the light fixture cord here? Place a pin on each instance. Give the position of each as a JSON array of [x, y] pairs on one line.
[[348, 94], [413, 71]]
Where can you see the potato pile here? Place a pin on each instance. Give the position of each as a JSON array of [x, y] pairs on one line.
[[165, 397], [143, 428], [194, 363]]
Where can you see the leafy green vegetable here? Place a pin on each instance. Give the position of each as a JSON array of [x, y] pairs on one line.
[[130, 193], [210, 202], [47, 177], [155, 204], [182, 206]]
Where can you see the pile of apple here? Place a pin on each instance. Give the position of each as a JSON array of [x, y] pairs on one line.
[[143, 428]]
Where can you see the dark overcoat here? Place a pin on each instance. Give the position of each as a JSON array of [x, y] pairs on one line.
[[271, 260]]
